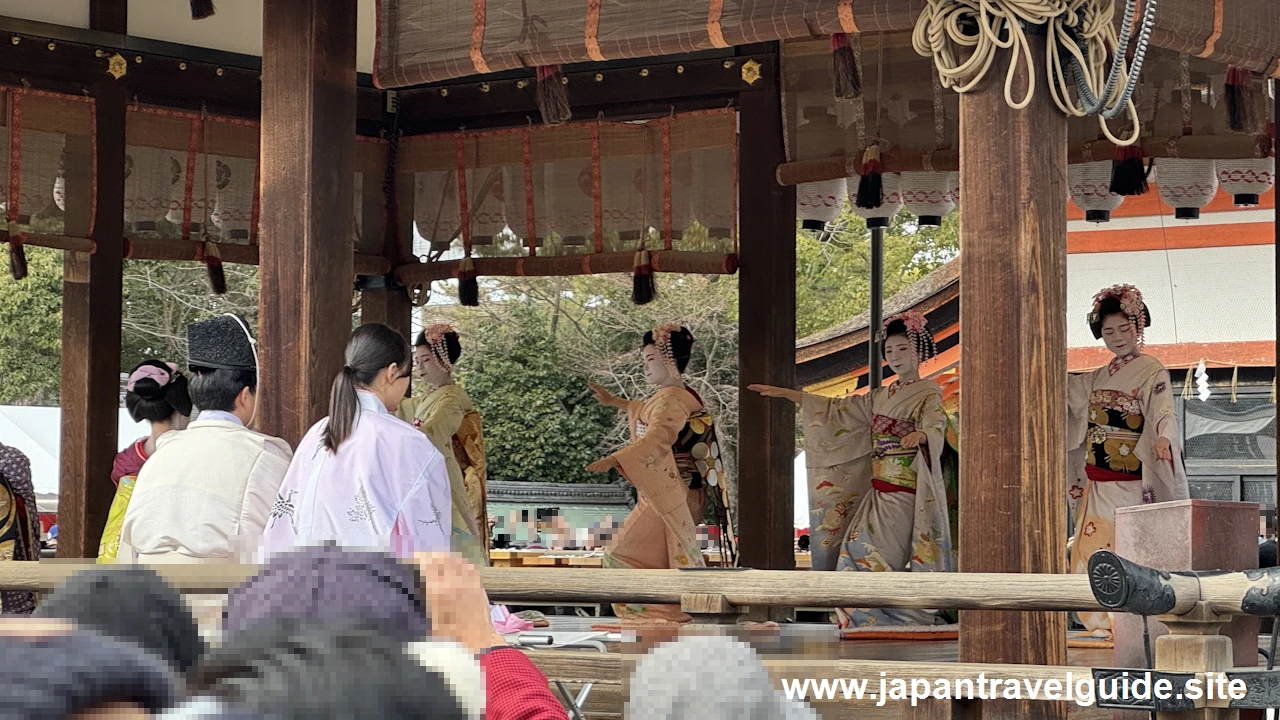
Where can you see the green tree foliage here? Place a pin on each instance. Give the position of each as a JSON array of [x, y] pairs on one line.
[[31, 331], [833, 273]]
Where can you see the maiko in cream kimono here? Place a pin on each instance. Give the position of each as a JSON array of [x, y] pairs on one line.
[[660, 532], [449, 418], [873, 504], [1115, 415]]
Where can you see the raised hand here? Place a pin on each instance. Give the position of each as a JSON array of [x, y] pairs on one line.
[[459, 604], [794, 396], [603, 396]]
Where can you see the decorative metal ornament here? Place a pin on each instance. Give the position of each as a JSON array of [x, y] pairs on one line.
[[117, 66], [750, 72]]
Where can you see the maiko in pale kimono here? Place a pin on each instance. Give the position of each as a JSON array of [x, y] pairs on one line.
[[877, 498], [451, 422], [1122, 442], [674, 462], [361, 477]]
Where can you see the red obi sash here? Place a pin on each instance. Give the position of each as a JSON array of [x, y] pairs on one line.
[[1098, 474]]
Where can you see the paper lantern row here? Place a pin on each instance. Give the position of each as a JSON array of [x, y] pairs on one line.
[[930, 196], [1185, 185]]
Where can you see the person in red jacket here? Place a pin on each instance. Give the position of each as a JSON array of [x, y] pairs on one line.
[[516, 688]]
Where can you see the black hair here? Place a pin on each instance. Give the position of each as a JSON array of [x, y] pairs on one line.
[[451, 345], [895, 327], [132, 604], [294, 668], [1107, 307], [150, 401], [371, 349], [681, 346], [217, 389]]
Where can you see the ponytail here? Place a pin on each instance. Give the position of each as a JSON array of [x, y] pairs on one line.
[[343, 405], [372, 349]]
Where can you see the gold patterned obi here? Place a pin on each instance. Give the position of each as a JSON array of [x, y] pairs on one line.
[[891, 464], [697, 452], [1115, 425]]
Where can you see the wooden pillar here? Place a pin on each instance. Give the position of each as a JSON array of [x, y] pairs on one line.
[[875, 363], [382, 300], [1013, 229], [305, 271], [766, 332], [91, 302]]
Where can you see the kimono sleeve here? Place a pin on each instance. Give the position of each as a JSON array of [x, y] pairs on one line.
[[1079, 388], [1166, 479], [265, 478], [442, 421], [646, 461], [1158, 408], [836, 430], [408, 409], [424, 520], [931, 420]]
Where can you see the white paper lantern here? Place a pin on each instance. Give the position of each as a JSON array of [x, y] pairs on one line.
[[1090, 187], [146, 187], [233, 196], [1247, 180], [436, 211], [818, 203], [930, 196], [890, 200], [1187, 185]]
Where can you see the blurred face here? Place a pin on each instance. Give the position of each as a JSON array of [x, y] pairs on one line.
[[656, 370], [1120, 335], [429, 367], [900, 355]]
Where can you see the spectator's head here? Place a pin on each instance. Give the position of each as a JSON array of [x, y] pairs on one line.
[[57, 675], [328, 583], [130, 604], [289, 668], [675, 682], [157, 393], [1267, 554]]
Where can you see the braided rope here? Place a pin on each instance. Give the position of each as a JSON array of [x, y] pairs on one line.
[[1081, 38]]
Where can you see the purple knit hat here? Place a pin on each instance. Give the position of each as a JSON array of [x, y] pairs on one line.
[[329, 583]]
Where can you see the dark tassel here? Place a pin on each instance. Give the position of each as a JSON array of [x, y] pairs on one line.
[[870, 183], [643, 287], [552, 99], [468, 283], [1241, 114], [17, 259], [1128, 176], [213, 267], [201, 9], [844, 69]]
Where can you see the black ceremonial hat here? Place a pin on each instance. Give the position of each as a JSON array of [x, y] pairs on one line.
[[221, 343]]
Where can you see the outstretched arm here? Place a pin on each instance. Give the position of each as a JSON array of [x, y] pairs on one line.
[[607, 398], [794, 396]]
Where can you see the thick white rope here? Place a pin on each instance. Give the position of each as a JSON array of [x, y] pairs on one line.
[[939, 33]]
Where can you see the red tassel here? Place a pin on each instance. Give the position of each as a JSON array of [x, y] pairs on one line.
[[17, 258], [643, 287], [1242, 115], [468, 283], [870, 182], [844, 68], [553, 100], [201, 9], [213, 267], [1128, 177]]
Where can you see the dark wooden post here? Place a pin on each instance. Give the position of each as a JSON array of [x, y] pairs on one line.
[[381, 300], [308, 127], [875, 365], [1013, 229], [91, 301], [766, 332]]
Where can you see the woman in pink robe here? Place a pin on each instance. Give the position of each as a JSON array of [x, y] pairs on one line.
[[361, 477]]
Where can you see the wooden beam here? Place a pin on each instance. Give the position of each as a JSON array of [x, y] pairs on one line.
[[110, 16], [1013, 168], [307, 167], [91, 308], [169, 75], [388, 302], [766, 332]]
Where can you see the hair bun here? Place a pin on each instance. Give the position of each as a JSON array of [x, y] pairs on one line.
[[148, 389]]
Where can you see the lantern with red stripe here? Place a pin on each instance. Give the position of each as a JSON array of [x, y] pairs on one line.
[[1090, 186], [890, 201], [930, 196], [1247, 180], [1186, 185], [818, 203]]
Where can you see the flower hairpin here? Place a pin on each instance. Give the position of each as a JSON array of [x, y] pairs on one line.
[[1131, 304], [435, 337], [917, 333], [662, 338]]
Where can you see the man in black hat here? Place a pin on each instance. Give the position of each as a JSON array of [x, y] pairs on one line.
[[207, 491]]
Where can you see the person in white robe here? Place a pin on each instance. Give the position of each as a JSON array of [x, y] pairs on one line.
[[205, 495], [363, 478], [877, 497], [1122, 442]]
